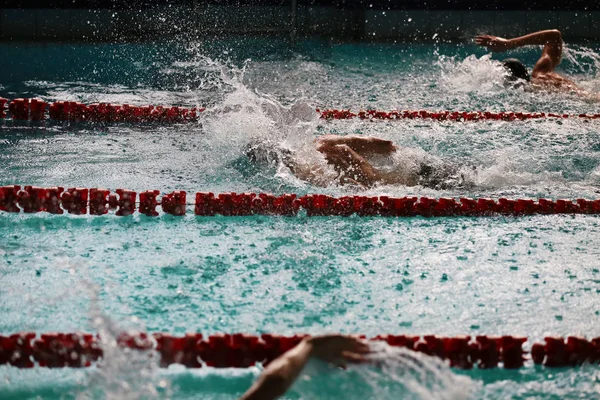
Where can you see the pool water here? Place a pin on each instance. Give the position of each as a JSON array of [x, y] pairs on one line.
[[530, 276]]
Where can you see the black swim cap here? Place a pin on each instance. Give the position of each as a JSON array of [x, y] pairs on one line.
[[515, 69]]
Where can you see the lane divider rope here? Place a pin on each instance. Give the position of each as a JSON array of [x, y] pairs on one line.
[[76, 350], [98, 201], [23, 109], [35, 110], [448, 115]]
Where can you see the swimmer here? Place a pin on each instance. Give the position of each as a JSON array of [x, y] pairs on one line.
[[543, 76], [362, 161], [281, 373]]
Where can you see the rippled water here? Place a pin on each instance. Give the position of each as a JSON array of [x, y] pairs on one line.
[[531, 276]]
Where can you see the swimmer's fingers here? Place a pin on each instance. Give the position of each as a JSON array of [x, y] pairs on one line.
[[493, 43], [344, 150], [337, 159], [482, 39], [485, 41], [332, 348], [338, 162], [358, 346]]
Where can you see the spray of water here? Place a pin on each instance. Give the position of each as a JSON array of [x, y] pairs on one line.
[[392, 373], [581, 58], [247, 118], [122, 373], [471, 74], [585, 63], [417, 376]]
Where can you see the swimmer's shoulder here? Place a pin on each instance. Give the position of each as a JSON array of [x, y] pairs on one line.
[[552, 81]]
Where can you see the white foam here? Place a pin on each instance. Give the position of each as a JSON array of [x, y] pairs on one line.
[[392, 373]]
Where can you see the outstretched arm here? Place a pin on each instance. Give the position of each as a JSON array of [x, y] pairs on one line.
[[550, 39], [360, 144], [282, 372]]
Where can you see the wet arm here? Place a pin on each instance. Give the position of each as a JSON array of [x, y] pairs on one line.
[[551, 37], [280, 374], [361, 145], [552, 53], [350, 164]]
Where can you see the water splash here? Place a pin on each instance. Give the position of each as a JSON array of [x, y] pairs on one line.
[[246, 113], [394, 373], [122, 373], [581, 58], [418, 376], [585, 63], [247, 117], [471, 74]]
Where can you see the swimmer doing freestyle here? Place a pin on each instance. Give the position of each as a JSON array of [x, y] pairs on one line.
[[355, 161], [281, 373], [543, 76], [350, 156]]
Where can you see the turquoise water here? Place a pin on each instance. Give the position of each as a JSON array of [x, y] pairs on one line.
[[529, 276]]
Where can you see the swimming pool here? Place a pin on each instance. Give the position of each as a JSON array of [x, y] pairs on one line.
[[532, 276]]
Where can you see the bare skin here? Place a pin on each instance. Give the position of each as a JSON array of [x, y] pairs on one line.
[[348, 156], [543, 75], [283, 371]]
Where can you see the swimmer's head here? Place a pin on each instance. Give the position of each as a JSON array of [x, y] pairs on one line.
[[516, 71], [267, 154]]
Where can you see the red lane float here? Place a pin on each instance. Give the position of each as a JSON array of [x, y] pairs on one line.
[[35, 110], [56, 200], [3, 102], [459, 116], [76, 350]]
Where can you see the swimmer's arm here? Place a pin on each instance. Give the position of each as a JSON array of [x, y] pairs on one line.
[[283, 371], [551, 40], [551, 37], [280, 374], [350, 164], [552, 53], [359, 144]]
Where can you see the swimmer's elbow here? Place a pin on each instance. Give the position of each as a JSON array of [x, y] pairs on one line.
[[556, 35]]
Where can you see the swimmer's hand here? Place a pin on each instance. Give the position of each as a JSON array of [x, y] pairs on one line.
[[281, 373], [339, 349], [348, 162], [493, 43]]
